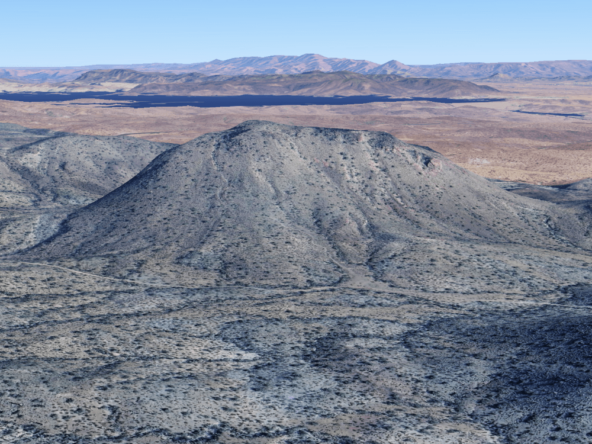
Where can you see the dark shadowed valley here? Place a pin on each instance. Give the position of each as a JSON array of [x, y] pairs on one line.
[[276, 283]]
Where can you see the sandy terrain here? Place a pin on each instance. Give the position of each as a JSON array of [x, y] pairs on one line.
[[487, 138]]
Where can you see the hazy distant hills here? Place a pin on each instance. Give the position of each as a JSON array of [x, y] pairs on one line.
[[39, 75], [279, 65], [314, 83], [316, 62], [278, 205], [5, 81], [235, 66], [580, 68], [132, 76]]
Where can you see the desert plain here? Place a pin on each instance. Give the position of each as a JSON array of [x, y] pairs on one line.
[[487, 138]]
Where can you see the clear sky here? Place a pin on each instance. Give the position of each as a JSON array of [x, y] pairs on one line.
[[75, 33]]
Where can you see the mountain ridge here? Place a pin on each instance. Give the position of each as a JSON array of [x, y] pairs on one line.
[[312, 62], [315, 83]]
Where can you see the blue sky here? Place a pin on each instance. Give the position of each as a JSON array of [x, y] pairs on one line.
[[75, 33]]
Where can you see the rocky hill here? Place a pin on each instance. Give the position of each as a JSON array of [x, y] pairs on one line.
[[44, 175], [275, 205], [12, 135], [80, 169]]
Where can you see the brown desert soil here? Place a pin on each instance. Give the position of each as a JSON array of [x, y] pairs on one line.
[[486, 138]]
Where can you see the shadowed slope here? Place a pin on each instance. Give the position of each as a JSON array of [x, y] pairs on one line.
[[271, 204]]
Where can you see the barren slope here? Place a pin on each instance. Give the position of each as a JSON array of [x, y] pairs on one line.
[[77, 169], [45, 175], [278, 205], [15, 190]]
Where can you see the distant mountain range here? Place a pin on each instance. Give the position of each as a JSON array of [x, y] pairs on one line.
[[315, 83], [316, 62]]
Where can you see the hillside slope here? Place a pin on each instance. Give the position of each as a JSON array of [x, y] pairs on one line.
[[404, 300], [44, 175], [77, 169]]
